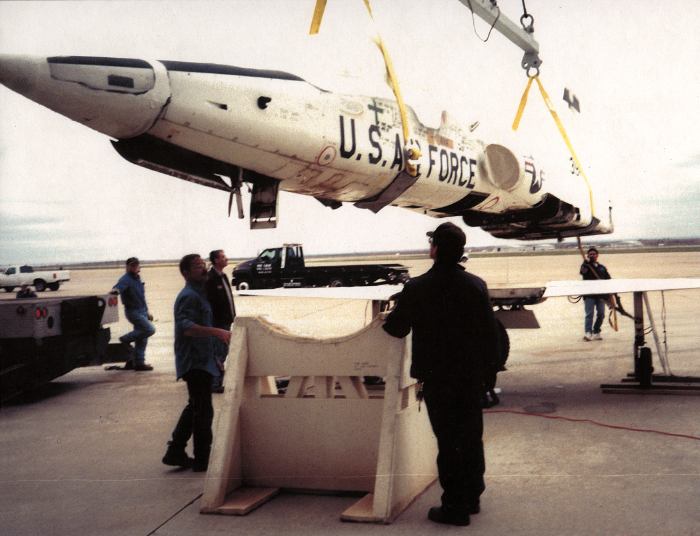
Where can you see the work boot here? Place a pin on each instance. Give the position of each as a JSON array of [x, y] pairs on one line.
[[588, 336], [439, 515], [201, 460], [141, 367], [177, 457], [199, 466]]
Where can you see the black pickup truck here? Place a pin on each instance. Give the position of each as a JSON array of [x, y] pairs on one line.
[[284, 267]]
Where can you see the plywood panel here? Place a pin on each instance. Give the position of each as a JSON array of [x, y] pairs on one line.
[[406, 379], [279, 353], [224, 472], [242, 500], [387, 442], [361, 511], [310, 440], [351, 387], [307, 443], [415, 454]]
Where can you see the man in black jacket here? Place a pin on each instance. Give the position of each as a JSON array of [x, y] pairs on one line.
[[592, 270], [454, 341], [219, 295]]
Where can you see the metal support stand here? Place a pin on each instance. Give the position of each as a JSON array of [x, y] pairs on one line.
[[643, 379]]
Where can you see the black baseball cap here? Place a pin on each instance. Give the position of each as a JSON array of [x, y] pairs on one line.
[[132, 260], [448, 235]]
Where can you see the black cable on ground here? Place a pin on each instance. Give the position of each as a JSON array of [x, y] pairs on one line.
[[590, 421]]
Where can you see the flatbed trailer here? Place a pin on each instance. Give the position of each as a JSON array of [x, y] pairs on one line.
[[44, 338]]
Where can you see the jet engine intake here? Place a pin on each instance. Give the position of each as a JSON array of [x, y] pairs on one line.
[[500, 166]]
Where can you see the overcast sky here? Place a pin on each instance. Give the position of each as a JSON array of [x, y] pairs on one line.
[[66, 195]]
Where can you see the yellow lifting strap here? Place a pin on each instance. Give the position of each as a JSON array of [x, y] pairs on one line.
[[318, 16], [412, 153], [560, 126]]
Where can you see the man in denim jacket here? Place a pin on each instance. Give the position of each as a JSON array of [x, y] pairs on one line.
[[133, 296], [195, 362]]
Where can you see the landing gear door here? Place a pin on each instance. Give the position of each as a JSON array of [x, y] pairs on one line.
[[263, 203]]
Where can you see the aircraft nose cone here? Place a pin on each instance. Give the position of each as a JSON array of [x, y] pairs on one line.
[[21, 73], [120, 97]]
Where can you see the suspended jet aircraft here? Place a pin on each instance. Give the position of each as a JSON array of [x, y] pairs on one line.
[[203, 122], [273, 130]]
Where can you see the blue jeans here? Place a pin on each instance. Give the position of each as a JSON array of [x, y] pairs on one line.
[[590, 303], [139, 336]]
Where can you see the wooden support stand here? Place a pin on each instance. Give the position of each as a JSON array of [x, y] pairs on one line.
[[327, 432]]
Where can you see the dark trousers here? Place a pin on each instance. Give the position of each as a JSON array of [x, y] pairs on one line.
[[220, 354], [457, 421], [195, 420]]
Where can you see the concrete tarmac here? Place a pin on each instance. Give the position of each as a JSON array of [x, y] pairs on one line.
[[82, 454]]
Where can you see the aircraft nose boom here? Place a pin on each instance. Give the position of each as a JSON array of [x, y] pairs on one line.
[[120, 97]]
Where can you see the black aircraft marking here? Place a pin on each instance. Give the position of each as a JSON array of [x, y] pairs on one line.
[[398, 154], [215, 68], [535, 178], [376, 109], [347, 153], [451, 167], [122, 81], [100, 61], [181, 66], [373, 134]]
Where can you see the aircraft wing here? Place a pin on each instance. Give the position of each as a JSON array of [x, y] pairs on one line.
[[614, 286], [552, 289]]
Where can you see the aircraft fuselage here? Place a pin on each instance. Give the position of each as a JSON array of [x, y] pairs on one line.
[[337, 148]]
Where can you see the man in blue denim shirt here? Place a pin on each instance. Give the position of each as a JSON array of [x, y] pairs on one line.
[[196, 364], [131, 289]]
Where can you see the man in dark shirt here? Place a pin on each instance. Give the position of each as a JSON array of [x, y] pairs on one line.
[[195, 363], [454, 341], [591, 269], [133, 295], [222, 306]]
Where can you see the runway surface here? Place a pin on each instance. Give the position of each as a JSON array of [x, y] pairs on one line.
[[82, 454]]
